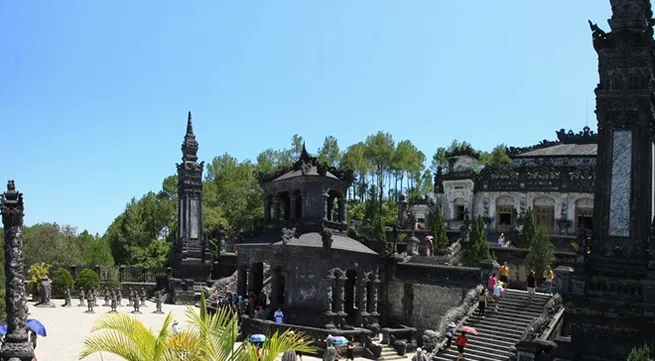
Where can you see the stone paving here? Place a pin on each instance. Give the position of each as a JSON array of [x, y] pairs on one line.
[[68, 327]]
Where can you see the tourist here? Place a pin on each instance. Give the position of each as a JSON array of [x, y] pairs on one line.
[[350, 350], [497, 294], [482, 302], [419, 355], [548, 280], [450, 332], [176, 328], [330, 353], [261, 314], [501, 240], [531, 281], [461, 342], [504, 274], [278, 316], [258, 348], [33, 337], [491, 283]]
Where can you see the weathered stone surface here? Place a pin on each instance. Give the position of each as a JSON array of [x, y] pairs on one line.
[[619, 220]]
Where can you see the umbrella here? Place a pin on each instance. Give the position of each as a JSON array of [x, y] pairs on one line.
[[258, 337], [339, 340], [33, 324], [36, 326], [468, 329]]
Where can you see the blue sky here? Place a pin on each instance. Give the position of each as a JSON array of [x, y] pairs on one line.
[[94, 94]]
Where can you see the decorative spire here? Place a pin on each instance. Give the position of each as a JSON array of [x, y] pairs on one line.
[[304, 155], [190, 145], [631, 15]]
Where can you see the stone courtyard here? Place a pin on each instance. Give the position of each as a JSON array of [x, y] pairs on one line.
[[67, 328]]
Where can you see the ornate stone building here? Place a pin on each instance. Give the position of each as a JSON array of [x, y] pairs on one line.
[[555, 178], [610, 296], [319, 275]]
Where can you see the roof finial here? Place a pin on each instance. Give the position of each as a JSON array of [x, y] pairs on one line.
[[304, 155], [189, 125]]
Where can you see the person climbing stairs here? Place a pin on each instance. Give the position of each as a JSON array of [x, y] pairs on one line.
[[498, 331]]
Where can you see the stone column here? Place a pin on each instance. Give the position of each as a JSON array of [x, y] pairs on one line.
[[342, 210], [276, 210], [375, 289], [341, 296], [275, 288], [16, 346], [267, 209], [242, 281], [326, 198], [292, 208], [361, 298], [329, 314]]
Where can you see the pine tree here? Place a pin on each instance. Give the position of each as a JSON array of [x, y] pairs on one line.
[[641, 353], [529, 231], [438, 228], [476, 249], [542, 252]]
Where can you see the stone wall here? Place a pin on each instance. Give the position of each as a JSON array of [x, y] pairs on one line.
[[419, 295]]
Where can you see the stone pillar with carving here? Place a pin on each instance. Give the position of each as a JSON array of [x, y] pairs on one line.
[[267, 208], [276, 209], [343, 202], [329, 314], [341, 296], [326, 209], [375, 289], [362, 314], [16, 346]]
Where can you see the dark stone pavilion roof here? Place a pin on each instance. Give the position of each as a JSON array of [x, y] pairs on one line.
[[568, 144], [309, 240]]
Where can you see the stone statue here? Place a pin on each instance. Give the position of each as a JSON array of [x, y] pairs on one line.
[[67, 298], [158, 302], [94, 297], [107, 297], [143, 297], [113, 303], [89, 302], [81, 297], [135, 303], [130, 297], [326, 238], [220, 234], [119, 297], [45, 293]]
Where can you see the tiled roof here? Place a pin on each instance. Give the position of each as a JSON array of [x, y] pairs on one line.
[[562, 150]]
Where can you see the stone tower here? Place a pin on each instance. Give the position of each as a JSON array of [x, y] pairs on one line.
[[189, 253], [610, 297]]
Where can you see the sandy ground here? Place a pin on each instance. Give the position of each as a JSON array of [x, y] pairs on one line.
[[68, 327]]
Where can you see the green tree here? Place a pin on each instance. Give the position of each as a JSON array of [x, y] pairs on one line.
[[329, 153], [208, 338], [529, 231], [476, 249], [62, 279], [542, 252], [497, 157], [640, 353], [440, 242], [379, 152], [354, 158]]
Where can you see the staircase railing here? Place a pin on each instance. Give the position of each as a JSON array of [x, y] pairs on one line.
[[434, 340], [541, 328]]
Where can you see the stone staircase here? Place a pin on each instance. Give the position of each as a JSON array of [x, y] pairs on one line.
[[498, 331], [388, 353]]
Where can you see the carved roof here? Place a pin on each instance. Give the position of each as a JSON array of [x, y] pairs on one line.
[[307, 165], [190, 145], [568, 143]]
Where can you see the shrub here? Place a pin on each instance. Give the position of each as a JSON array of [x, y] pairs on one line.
[[641, 353], [36, 273], [87, 279], [440, 242], [542, 252], [61, 280], [529, 231]]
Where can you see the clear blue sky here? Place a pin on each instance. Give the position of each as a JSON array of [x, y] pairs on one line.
[[94, 94]]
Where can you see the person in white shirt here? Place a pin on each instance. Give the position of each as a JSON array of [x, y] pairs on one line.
[[176, 328], [498, 291], [501, 240]]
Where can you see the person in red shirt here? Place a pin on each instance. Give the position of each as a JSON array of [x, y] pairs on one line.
[[461, 342]]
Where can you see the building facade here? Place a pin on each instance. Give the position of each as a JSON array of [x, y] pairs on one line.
[[554, 178]]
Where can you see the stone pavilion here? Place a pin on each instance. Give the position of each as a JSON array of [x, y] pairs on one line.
[[319, 275]]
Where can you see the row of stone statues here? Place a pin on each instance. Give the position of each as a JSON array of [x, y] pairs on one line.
[[113, 299]]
